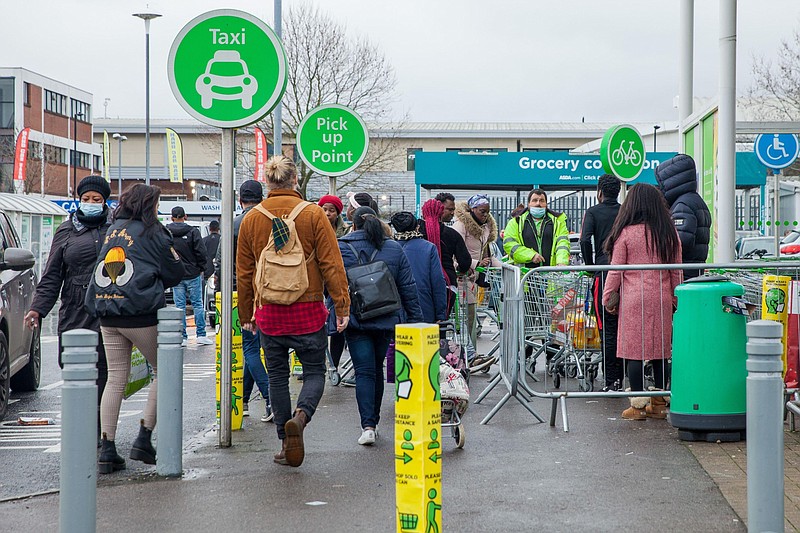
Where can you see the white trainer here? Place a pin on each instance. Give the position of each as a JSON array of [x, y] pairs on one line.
[[205, 340], [367, 437], [184, 343]]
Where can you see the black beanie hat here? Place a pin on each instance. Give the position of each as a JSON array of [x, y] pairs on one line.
[[404, 221], [94, 183]]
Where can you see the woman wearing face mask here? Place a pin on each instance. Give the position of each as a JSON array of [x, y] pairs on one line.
[[478, 229], [539, 236], [70, 265]]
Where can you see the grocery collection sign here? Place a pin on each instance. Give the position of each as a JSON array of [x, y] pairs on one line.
[[332, 140], [227, 68]]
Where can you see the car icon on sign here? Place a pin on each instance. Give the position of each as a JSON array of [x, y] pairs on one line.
[[226, 78]]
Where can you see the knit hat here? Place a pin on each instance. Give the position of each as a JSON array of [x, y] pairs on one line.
[[178, 212], [97, 184], [333, 200], [251, 191], [404, 221]]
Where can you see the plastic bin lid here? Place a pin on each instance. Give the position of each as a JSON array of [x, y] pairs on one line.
[[703, 279]]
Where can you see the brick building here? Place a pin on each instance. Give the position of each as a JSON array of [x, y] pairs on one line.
[[60, 148]]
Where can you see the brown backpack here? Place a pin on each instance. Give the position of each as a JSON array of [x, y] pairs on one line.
[[282, 276]]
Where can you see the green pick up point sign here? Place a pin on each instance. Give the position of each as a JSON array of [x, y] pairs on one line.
[[227, 68], [622, 152], [332, 140]]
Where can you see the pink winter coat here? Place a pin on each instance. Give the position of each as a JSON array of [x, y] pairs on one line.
[[646, 298]]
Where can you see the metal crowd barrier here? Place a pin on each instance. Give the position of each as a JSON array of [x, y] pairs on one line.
[[563, 360]]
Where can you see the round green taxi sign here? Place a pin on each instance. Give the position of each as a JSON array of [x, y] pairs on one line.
[[227, 68], [622, 152], [332, 140]]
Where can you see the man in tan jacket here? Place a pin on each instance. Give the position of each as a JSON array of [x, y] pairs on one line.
[[299, 326]]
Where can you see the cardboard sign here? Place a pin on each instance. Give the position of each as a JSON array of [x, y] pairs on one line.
[[417, 429], [237, 362]]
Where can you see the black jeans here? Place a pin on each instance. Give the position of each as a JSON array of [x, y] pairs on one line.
[[337, 348], [635, 370], [310, 350], [607, 324]]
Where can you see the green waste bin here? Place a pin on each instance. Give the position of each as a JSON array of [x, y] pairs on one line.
[[709, 361]]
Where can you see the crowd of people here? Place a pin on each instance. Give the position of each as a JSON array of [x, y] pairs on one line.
[[295, 265]]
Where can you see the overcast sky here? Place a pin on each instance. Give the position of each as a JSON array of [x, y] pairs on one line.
[[465, 60]]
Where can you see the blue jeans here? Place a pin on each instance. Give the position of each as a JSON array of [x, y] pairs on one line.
[[254, 371], [368, 351], [310, 350], [194, 289]]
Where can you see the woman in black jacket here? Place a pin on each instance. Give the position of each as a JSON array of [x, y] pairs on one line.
[[136, 264], [368, 340], [73, 255]]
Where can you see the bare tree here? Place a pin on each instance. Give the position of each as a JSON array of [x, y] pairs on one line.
[[327, 66], [775, 94]]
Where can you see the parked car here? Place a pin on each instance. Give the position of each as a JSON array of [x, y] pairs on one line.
[[754, 248], [20, 348]]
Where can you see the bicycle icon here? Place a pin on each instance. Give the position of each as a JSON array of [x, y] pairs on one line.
[[630, 157]]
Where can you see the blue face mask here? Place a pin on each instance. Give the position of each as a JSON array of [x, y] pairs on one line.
[[537, 212], [91, 210]]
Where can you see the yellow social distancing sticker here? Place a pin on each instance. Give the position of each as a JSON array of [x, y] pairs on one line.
[[237, 362], [775, 305], [417, 429]]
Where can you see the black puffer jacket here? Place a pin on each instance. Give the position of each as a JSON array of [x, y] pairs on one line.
[[453, 248], [190, 248], [677, 179], [135, 268], [73, 256]]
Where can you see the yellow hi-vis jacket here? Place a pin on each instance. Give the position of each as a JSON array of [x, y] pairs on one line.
[[520, 254]]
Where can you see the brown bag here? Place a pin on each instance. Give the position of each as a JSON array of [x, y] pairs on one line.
[[282, 276]]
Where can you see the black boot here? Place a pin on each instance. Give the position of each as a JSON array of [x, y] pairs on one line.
[[142, 449], [109, 460]]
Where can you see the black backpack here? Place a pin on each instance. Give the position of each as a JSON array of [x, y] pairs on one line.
[[373, 292]]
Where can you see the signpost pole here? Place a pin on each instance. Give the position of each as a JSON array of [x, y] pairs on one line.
[[776, 214], [724, 205], [332, 185], [226, 242], [277, 113]]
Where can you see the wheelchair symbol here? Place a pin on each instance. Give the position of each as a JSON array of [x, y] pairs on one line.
[[776, 151]]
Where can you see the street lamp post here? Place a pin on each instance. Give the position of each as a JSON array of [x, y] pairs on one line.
[[75, 117], [147, 17], [655, 132], [120, 139]]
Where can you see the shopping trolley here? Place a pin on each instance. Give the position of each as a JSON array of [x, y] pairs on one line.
[[560, 323], [453, 382]]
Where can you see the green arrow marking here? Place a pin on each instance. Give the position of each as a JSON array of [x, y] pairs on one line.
[[435, 457], [405, 458]]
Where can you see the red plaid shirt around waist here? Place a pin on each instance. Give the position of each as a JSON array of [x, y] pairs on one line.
[[299, 318]]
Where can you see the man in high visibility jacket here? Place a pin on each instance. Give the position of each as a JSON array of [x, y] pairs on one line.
[[538, 236]]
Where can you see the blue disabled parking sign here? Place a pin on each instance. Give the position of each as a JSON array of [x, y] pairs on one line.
[[776, 150]]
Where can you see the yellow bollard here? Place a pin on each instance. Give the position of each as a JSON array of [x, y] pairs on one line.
[[417, 429], [775, 305], [237, 363]]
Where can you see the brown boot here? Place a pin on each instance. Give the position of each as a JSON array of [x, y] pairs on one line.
[[280, 457], [637, 409], [293, 444], [657, 408]]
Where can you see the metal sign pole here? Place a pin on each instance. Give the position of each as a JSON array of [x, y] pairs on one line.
[[226, 288], [776, 215], [332, 185]]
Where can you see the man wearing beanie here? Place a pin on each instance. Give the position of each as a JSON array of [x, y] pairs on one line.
[[250, 195], [333, 208], [189, 245]]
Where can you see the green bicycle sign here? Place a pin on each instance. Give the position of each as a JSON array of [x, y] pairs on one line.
[[622, 152], [332, 140], [227, 68]]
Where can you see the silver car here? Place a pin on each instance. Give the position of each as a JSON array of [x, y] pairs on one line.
[[20, 349]]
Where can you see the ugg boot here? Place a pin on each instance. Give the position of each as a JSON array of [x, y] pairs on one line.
[[637, 409], [142, 448], [293, 443], [657, 408], [109, 460]]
